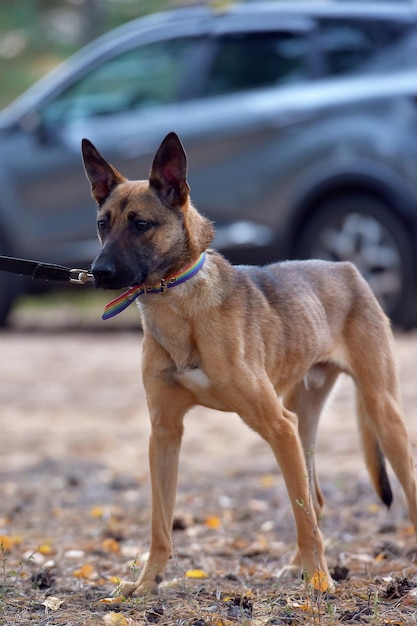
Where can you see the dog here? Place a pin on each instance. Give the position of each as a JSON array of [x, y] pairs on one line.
[[265, 342]]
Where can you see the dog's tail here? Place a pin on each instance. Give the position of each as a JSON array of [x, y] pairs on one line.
[[374, 457]]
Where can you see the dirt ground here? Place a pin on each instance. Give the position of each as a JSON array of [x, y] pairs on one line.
[[74, 498]]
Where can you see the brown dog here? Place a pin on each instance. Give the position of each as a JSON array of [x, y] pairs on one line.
[[239, 339]]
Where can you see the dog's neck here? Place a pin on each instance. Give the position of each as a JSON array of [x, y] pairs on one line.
[[125, 299]]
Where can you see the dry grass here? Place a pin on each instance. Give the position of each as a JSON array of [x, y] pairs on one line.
[[73, 524], [70, 532]]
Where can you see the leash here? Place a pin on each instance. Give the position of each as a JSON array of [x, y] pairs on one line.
[[45, 271], [51, 271]]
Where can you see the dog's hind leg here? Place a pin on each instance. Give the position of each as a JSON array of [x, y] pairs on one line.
[[259, 406], [307, 399]]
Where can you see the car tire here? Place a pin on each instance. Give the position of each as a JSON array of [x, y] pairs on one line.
[[363, 230]]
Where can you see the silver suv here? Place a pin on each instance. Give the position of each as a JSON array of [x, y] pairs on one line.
[[287, 155]]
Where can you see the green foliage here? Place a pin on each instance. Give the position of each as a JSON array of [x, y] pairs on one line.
[[35, 35]]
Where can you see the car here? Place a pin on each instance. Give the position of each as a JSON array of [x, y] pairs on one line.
[[289, 154]]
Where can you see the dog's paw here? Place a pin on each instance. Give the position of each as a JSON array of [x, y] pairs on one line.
[[320, 581], [290, 571], [126, 589]]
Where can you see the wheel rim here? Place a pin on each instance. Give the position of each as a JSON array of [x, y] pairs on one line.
[[368, 244]]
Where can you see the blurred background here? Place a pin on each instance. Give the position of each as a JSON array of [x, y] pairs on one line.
[[299, 120], [35, 35]]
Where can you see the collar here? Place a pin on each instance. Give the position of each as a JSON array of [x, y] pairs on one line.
[[123, 301]]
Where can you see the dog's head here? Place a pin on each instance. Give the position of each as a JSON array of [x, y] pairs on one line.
[[148, 229]]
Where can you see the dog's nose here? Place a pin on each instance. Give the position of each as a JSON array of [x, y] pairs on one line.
[[103, 270]]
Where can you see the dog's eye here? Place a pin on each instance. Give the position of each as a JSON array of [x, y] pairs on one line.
[[142, 225], [102, 226]]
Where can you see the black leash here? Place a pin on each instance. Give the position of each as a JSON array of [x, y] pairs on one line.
[[46, 271]]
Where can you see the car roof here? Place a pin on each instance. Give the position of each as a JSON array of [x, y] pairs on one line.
[[345, 8], [295, 13]]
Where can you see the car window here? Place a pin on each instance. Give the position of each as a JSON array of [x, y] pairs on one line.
[[402, 54], [345, 45], [253, 60], [147, 76]]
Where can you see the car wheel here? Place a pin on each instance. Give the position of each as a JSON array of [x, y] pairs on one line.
[[363, 230]]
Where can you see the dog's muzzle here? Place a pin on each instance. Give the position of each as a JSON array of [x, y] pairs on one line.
[[108, 275]]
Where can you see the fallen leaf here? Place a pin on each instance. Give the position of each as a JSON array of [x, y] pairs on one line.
[[319, 581], [407, 530], [8, 542], [268, 480], [213, 521], [112, 600], [115, 619], [97, 511], [46, 549], [86, 571], [382, 556], [196, 573], [305, 606], [111, 545], [52, 603]]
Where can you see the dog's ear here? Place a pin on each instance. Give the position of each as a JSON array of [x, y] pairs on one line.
[[168, 175], [103, 177]]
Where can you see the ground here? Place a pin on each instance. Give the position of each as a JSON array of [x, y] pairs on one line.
[[74, 498]]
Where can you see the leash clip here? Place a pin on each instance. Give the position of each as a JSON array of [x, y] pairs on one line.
[[80, 277]]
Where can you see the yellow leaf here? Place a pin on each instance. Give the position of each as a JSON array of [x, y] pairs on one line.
[[115, 619], [45, 549], [111, 545], [7, 542], [196, 573], [97, 511], [213, 521], [268, 480], [408, 530], [52, 603], [319, 581], [112, 600], [86, 571]]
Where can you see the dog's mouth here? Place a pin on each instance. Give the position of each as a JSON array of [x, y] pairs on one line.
[[109, 280], [102, 282]]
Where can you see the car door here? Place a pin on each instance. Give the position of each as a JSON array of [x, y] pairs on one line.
[[251, 61]]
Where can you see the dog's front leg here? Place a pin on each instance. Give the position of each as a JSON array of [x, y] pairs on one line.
[[167, 407]]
